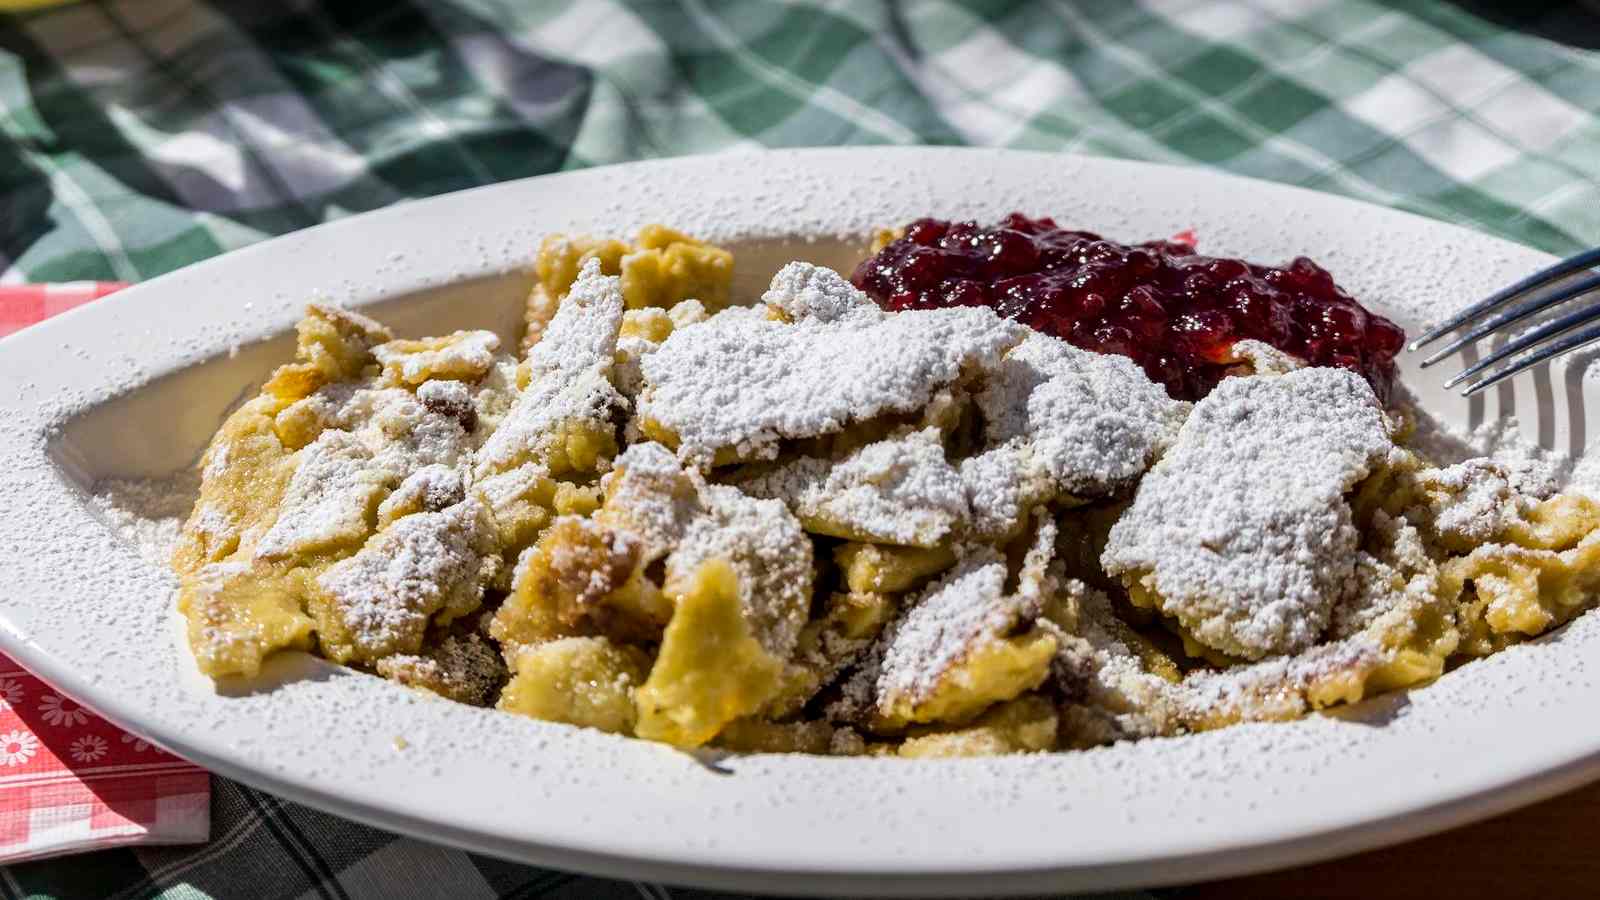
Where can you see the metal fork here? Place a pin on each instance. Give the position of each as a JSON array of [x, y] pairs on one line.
[[1507, 310]]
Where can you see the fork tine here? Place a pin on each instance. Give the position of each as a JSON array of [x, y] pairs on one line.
[[1515, 314], [1553, 327], [1570, 342], [1586, 260]]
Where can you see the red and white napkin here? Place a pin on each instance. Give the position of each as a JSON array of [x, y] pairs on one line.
[[69, 780], [22, 305]]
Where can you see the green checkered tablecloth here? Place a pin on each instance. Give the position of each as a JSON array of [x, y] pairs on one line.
[[140, 135]]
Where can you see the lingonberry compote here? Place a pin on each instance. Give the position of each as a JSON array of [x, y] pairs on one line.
[[1174, 312]]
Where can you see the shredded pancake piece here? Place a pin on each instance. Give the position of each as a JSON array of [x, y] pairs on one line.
[[739, 383], [424, 568], [655, 511], [770, 555], [464, 355], [900, 490], [1261, 358], [402, 431], [964, 642], [1093, 422], [1112, 684], [1242, 531], [1479, 501], [569, 394], [428, 489], [330, 499]]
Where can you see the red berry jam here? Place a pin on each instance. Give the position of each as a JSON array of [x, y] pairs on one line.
[[1174, 312]]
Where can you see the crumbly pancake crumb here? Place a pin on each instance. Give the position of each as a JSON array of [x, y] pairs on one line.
[[805, 291]]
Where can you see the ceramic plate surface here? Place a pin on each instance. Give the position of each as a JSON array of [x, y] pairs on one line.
[[135, 384]]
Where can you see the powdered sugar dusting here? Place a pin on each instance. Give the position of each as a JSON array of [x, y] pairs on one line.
[[675, 513], [386, 593], [966, 605], [898, 491], [1093, 421], [1242, 529], [804, 291], [148, 512], [333, 490], [569, 374], [741, 382], [464, 354], [770, 553], [1478, 499]]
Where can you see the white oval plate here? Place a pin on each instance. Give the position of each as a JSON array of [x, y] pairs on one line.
[[134, 384]]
